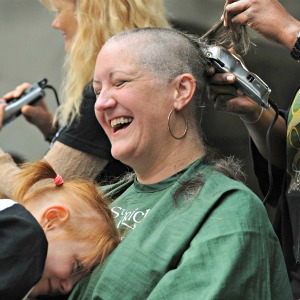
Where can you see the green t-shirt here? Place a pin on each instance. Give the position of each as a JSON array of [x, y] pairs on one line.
[[215, 244]]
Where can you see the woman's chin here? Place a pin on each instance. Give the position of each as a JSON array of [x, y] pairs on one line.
[[120, 155], [67, 46]]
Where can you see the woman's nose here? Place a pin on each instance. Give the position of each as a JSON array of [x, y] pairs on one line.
[[55, 24], [104, 101]]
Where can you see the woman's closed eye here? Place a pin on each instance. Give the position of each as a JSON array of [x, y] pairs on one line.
[[97, 92], [119, 83]]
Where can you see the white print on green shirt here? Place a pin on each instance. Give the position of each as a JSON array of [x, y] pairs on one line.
[[128, 219]]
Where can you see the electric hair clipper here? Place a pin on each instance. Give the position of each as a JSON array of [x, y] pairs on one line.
[[30, 96], [248, 82]]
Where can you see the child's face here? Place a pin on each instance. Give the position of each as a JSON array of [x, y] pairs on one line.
[[62, 268]]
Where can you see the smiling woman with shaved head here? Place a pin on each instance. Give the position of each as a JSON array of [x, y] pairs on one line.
[[190, 229]]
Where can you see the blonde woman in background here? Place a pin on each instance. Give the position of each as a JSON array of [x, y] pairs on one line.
[[79, 146]]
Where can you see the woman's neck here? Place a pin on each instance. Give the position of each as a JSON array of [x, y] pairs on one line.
[[169, 164]]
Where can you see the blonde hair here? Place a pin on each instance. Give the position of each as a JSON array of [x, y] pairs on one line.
[[98, 20], [90, 220]]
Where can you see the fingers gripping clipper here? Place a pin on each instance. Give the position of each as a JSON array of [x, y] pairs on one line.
[[250, 84], [30, 96]]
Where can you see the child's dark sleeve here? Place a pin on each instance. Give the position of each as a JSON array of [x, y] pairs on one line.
[[23, 250]]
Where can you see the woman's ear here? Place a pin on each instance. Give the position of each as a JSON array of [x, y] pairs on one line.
[[185, 86], [54, 215]]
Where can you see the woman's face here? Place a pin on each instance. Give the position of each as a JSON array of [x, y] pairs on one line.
[[65, 19], [132, 106], [63, 266]]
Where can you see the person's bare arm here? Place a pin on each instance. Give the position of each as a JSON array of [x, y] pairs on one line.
[[71, 163], [8, 171], [66, 161], [257, 120], [258, 132]]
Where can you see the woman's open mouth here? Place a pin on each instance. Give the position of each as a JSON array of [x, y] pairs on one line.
[[120, 123]]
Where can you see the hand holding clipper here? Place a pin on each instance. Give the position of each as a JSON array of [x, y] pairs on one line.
[[30, 96], [250, 84]]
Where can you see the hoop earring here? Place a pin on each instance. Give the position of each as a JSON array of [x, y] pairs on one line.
[[169, 126]]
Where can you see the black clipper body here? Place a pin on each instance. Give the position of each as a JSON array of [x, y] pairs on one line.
[[30, 96]]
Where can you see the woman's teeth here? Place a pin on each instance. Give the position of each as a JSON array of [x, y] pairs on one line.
[[116, 123]]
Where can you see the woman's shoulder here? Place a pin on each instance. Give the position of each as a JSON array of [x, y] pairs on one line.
[[219, 177], [232, 198], [219, 188], [223, 185]]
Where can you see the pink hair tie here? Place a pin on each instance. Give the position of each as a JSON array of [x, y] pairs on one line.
[[58, 180]]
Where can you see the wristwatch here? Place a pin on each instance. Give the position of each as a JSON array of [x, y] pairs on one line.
[[295, 53]]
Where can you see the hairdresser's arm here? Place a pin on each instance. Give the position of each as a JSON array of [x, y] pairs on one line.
[[72, 163], [66, 161], [8, 172], [267, 17], [257, 120]]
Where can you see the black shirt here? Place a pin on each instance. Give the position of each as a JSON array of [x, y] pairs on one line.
[[86, 134], [23, 250]]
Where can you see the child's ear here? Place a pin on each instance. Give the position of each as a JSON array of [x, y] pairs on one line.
[[54, 215]]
